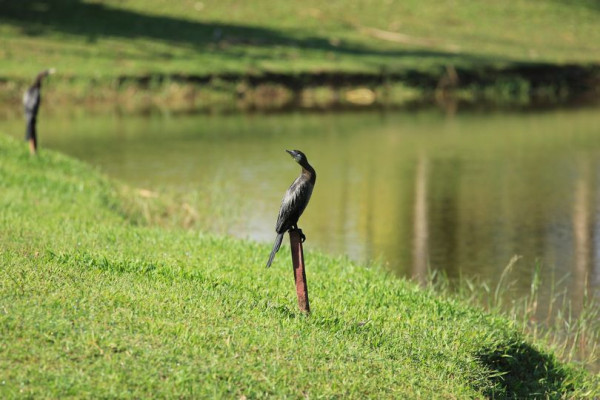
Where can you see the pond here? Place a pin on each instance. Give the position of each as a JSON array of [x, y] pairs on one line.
[[413, 191]]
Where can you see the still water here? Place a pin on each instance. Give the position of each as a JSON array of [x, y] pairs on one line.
[[414, 190]]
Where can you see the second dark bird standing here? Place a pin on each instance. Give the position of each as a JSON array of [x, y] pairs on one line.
[[32, 99], [294, 201]]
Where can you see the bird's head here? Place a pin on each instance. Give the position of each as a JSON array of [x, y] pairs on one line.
[[43, 74], [298, 156]]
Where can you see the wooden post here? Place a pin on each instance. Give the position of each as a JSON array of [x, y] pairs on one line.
[[299, 272]]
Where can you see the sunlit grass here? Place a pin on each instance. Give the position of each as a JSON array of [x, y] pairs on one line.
[[96, 300], [114, 38], [95, 45], [571, 329]]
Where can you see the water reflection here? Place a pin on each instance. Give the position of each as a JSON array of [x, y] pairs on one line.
[[420, 225], [415, 191], [586, 265]]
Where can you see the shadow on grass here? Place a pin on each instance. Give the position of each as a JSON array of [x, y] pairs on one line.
[[588, 5], [94, 21], [523, 372]]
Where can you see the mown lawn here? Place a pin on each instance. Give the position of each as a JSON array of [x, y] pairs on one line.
[[110, 38], [95, 302]]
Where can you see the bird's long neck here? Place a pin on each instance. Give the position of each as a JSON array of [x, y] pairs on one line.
[[38, 79], [308, 172]]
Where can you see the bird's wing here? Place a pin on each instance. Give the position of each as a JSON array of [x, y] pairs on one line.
[[293, 204], [31, 100]]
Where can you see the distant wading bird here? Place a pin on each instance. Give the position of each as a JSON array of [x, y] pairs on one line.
[[31, 101], [294, 201]]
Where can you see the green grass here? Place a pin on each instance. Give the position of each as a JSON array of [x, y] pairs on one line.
[[573, 336], [96, 44], [97, 302], [97, 39]]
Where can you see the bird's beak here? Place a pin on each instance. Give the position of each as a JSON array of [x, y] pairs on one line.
[[291, 153]]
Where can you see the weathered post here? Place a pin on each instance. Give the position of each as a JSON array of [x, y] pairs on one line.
[[299, 272]]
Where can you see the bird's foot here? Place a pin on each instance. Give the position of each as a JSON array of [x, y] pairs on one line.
[[302, 235]]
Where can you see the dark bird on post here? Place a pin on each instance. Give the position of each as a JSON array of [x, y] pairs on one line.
[[31, 101], [294, 201]]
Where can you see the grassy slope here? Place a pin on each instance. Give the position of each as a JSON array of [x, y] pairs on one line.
[[135, 37], [92, 301]]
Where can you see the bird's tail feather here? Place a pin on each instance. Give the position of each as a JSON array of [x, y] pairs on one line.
[[276, 246]]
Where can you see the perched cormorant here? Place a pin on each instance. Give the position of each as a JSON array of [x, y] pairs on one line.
[[295, 200], [31, 101]]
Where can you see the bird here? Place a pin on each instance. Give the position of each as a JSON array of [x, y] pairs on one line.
[[294, 201], [31, 101]]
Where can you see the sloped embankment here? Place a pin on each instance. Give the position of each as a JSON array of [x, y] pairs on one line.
[[95, 302]]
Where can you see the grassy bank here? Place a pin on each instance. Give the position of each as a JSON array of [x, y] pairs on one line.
[[273, 54], [95, 300]]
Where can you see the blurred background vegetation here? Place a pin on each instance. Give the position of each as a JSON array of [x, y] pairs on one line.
[[265, 54]]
